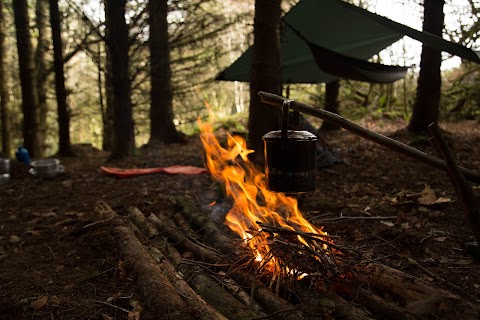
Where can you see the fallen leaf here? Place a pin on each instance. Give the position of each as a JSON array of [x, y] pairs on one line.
[[428, 196], [67, 183], [32, 232], [404, 226], [137, 310], [387, 223], [443, 200], [463, 262], [440, 239], [49, 214], [15, 239], [39, 303]]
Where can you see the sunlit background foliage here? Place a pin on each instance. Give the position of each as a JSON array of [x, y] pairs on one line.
[[208, 35]]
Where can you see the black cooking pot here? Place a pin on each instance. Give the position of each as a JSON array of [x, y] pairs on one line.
[[290, 157]]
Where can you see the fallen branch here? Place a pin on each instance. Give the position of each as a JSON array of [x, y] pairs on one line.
[[464, 192], [367, 134], [346, 218]]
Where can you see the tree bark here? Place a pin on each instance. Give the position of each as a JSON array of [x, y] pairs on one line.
[[108, 114], [162, 128], [332, 91], [41, 72], [427, 100], [4, 90], [27, 78], [64, 145], [118, 44], [265, 74]]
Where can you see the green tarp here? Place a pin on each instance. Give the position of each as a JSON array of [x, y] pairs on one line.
[[339, 27]]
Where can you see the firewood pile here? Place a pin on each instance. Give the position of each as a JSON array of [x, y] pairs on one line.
[[188, 267]]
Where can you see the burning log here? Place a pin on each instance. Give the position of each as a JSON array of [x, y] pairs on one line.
[[271, 302], [371, 286], [311, 301]]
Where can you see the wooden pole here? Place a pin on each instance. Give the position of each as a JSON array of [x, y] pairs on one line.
[[382, 140]]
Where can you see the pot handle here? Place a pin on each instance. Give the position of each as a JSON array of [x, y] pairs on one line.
[[285, 108]]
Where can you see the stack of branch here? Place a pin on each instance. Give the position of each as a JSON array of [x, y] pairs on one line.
[[186, 267]]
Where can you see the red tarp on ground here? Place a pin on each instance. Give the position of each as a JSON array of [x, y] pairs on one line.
[[177, 169]]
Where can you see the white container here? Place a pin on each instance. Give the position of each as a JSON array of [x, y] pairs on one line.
[[46, 168], [4, 165]]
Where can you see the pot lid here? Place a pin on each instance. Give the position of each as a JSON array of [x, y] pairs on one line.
[[292, 135]]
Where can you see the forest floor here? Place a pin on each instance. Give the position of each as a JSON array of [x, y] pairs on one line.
[[52, 267]]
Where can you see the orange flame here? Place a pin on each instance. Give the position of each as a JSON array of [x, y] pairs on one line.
[[253, 203]]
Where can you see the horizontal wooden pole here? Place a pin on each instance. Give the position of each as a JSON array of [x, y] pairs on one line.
[[382, 140]]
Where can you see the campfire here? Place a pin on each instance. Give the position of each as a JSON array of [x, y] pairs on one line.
[[287, 268], [282, 241]]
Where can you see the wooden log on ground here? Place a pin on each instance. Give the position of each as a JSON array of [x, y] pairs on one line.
[[416, 297], [198, 220], [157, 291], [267, 299], [178, 238], [211, 290], [203, 311], [139, 219], [374, 303]]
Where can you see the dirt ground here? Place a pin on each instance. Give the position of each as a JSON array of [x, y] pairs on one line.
[[53, 267]]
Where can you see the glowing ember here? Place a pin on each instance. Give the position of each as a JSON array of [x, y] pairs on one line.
[[253, 203]]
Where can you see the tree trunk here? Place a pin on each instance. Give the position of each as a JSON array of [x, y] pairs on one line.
[[332, 91], [108, 114], [162, 128], [426, 105], [265, 74], [27, 78], [118, 44], [64, 146], [41, 73], [4, 90]]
